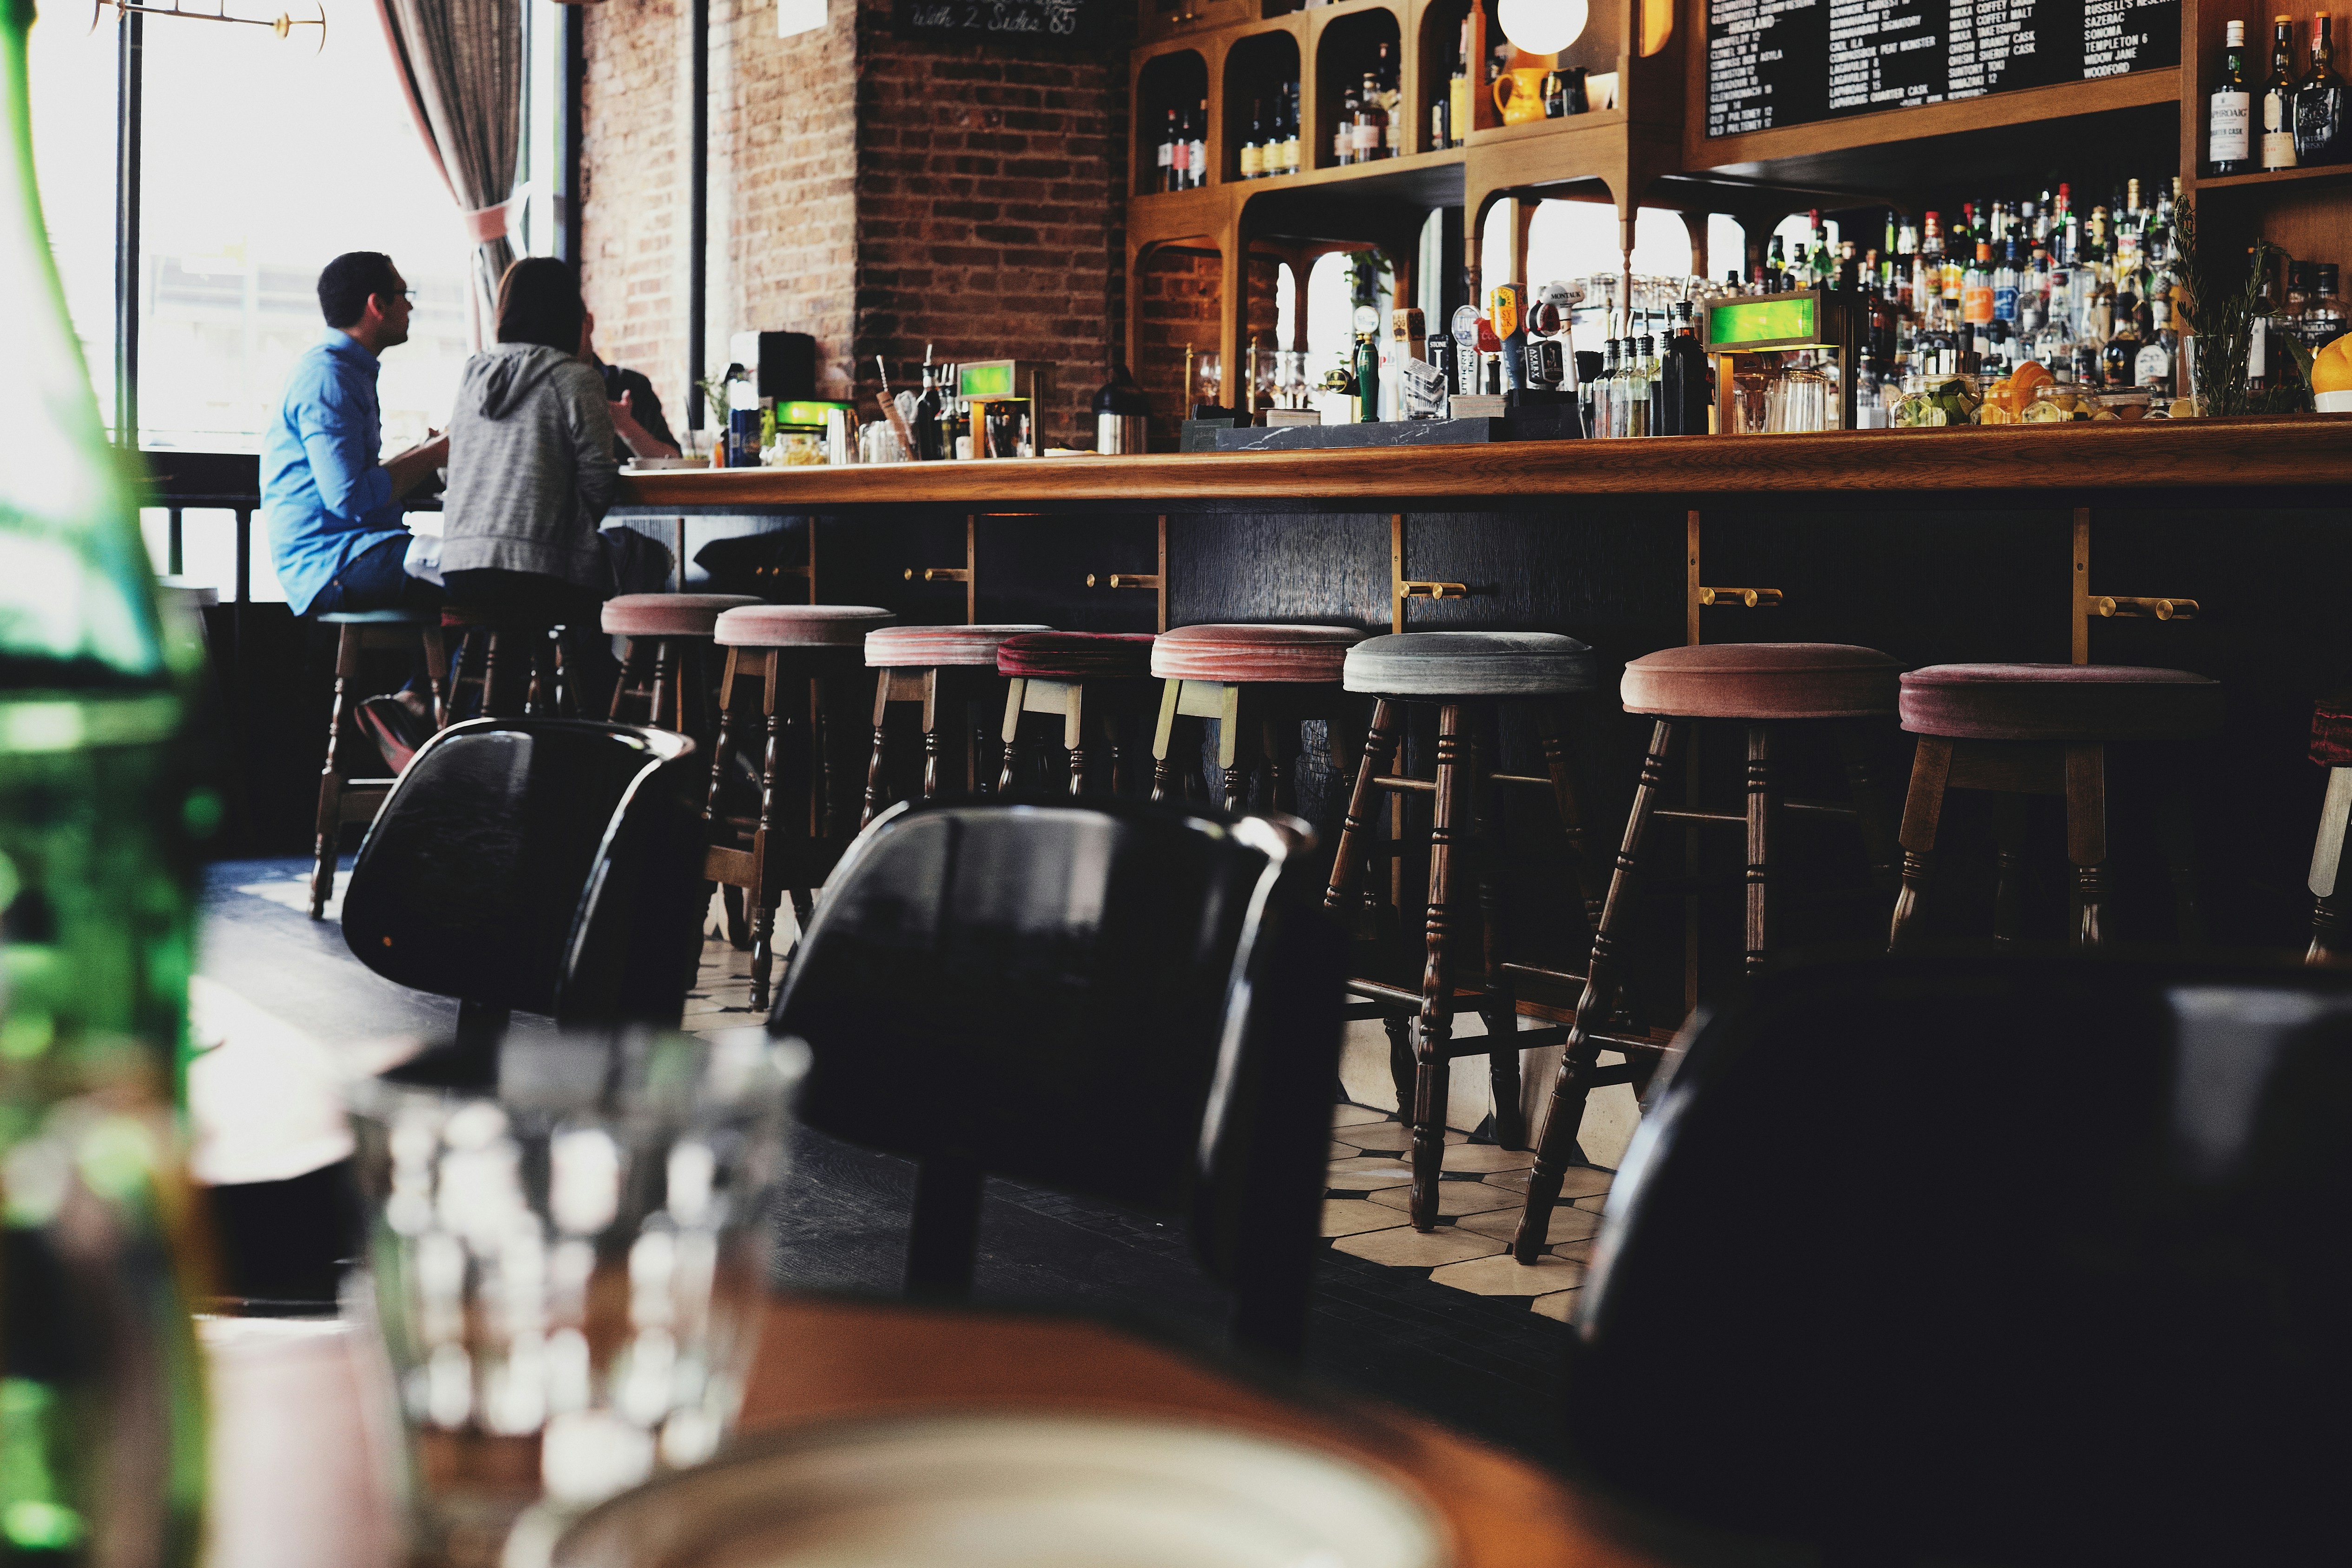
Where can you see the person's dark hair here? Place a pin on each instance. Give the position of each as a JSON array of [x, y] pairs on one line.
[[539, 302], [350, 281]]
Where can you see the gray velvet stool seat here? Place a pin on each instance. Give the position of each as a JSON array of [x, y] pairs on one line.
[[1468, 676]]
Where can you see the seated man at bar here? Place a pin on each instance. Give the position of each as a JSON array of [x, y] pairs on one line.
[[332, 508], [638, 427]]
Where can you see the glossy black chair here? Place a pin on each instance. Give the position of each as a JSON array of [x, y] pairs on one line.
[[2061, 1273], [549, 866], [1132, 1002]]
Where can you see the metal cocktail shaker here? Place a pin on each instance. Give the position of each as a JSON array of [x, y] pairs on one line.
[[1122, 412]]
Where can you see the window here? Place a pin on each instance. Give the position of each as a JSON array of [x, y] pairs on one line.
[[73, 80]]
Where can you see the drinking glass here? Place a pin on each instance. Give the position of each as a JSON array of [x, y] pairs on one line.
[[568, 1269], [1208, 382]]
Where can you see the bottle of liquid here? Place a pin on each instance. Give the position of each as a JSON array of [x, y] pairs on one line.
[[2278, 98], [1166, 156], [1458, 111], [1976, 289], [2229, 113], [1179, 152], [1683, 378], [1290, 133], [2323, 116], [1603, 420], [1196, 154], [1254, 148], [1392, 102], [1343, 133], [1371, 122], [929, 446]]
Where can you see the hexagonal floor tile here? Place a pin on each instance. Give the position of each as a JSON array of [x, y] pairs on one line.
[[1559, 1304], [1567, 1225], [1454, 1198], [1341, 1151], [1352, 1216], [1366, 1174], [1395, 1135], [1503, 1274], [1578, 1182], [1483, 1157], [1346, 1115], [1405, 1247]]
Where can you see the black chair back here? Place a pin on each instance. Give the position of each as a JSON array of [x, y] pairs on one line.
[[1131, 1002], [1994, 1263], [548, 865]]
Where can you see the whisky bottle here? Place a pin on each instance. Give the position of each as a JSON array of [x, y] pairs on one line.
[[1167, 157], [2321, 133], [1458, 110], [1371, 122], [1343, 133], [2278, 98], [1197, 153], [2230, 112], [1290, 133]]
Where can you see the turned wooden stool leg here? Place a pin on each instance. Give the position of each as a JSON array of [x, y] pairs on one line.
[[1014, 691], [1277, 744], [1498, 1006], [1433, 1032], [763, 919], [1880, 845], [2331, 919], [2086, 837], [1564, 1117], [1583, 864], [1363, 803], [1164, 739], [1401, 1070], [1923, 813], [936, 688], [330, 776], [738, 927], [2008, 870], [626, 686], [1763, 813], [437, 672], [1237, 751], [665, 694], [874, 795], [1074, 737]]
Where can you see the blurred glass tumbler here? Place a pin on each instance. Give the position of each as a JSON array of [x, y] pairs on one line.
[[569, 1271]]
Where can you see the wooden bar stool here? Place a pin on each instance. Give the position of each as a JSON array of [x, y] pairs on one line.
[[933, 665], [2331, 748], [2024, 729], [1259, 683], [1052, 672], [666, 666], [1765, 687], [482, 664], [793, 842], [341, 798], [1467, 675]]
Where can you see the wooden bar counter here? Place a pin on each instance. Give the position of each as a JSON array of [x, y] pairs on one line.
[[1936, 546]]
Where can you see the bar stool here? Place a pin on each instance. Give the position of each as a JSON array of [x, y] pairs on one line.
[[2331, 748], [664, 665], [1765, 687], [485, 638], [2021, 730], [1463, 673], [1050, 672], [793, 842], [1259, 683], [341, 798], [931, 666]]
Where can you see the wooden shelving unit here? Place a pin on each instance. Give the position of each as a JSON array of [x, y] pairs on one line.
[[1651, 148]]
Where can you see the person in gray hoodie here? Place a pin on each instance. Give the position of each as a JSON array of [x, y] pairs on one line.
[[532, 473]]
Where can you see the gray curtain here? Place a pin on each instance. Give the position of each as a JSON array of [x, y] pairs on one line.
[[461, 61]]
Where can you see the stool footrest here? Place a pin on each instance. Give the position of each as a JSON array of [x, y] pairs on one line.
[[1653, 1044], [1382, 999], [1738, 818], [1602, 1078], [1525, 1039]]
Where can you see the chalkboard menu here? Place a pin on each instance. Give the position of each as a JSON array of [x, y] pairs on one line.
[[1005, 21], [1773, 63]]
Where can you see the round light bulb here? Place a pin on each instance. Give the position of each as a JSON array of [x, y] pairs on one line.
[[1544, 26]]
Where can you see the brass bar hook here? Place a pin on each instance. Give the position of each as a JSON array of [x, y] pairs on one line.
[[939, 574], [1434, 590], [1124, 580], [1752, 598], [2132, 607]]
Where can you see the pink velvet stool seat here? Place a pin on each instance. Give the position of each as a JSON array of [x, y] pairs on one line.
[[666, 677], [1088, 680], [935, 668], [2059, 703], [1835, 691], [1259, 683], [799, 626], [668, 614], [2017, 731]]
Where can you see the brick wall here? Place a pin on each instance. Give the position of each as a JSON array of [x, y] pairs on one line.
[[632, 166], [1176, 305]]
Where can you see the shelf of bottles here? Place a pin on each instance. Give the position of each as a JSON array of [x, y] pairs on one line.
[[2281, 121]]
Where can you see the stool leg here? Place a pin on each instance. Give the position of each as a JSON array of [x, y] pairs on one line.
[[1236, 751], [1401, 1070], [936, 688], [1879, 845], [1074, 737], [1499, 1006], [1364, 800], [1763, 813], [1014, 691], [436, 673], [1565, 1115], [2331, 920], [1923, 813], [626, 686], [1116, 738], [874, 793], [2008, 870], [1163, 737], [2086, 837], [1550, 730], [330, 778], [493, 688], [1277, 741], [1433, 1031], [764, 920], [665, 694]]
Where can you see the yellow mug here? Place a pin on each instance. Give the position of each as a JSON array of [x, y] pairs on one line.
[[1519, 95]]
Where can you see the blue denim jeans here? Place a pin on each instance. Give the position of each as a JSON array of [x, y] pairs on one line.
[[377, 579]]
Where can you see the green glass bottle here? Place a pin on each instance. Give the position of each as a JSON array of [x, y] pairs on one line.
[[102, 1436]]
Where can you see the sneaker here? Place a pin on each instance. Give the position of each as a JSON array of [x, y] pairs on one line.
[[395, 728]]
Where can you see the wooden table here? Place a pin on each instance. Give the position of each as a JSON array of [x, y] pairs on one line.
[[824, 1359]]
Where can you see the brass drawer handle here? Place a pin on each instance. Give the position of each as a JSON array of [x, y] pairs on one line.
[[2129, 607], [939, 574], [1753, 598], [1125, 580], [1434, 590]]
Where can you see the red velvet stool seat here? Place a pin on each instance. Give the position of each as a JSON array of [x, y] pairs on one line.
[[665, 663], [933, 666], [2331, 748], [2021, 730], [1051, 672], [1469, 678], [1767, 688], [1259, 683], [805, 662]]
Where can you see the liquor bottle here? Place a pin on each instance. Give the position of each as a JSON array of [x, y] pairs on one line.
[[1976, 289], [1253, 147], [1645, 384], [1180, 163], [1603, 420], [1824, 264], [2278, 98], [1196, 158], [1343, 133], [1371, 122], [1290, 135], [1167, 155], [1392, 102], [2323, 107], [1458, 108], [2229, 113], [2324, 323], [1775, 272], [2119, 359], [1683, 378], [2005, 288], [101, 812], [931, 446], [2158, 345]]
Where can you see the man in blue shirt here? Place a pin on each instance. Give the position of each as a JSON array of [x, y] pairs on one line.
[[332, 508]]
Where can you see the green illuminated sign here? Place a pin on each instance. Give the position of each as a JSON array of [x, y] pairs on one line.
[[990, 380], [1770, 319], [806, 412]]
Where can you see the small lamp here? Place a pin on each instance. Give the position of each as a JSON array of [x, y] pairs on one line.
[[1544, 26]]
